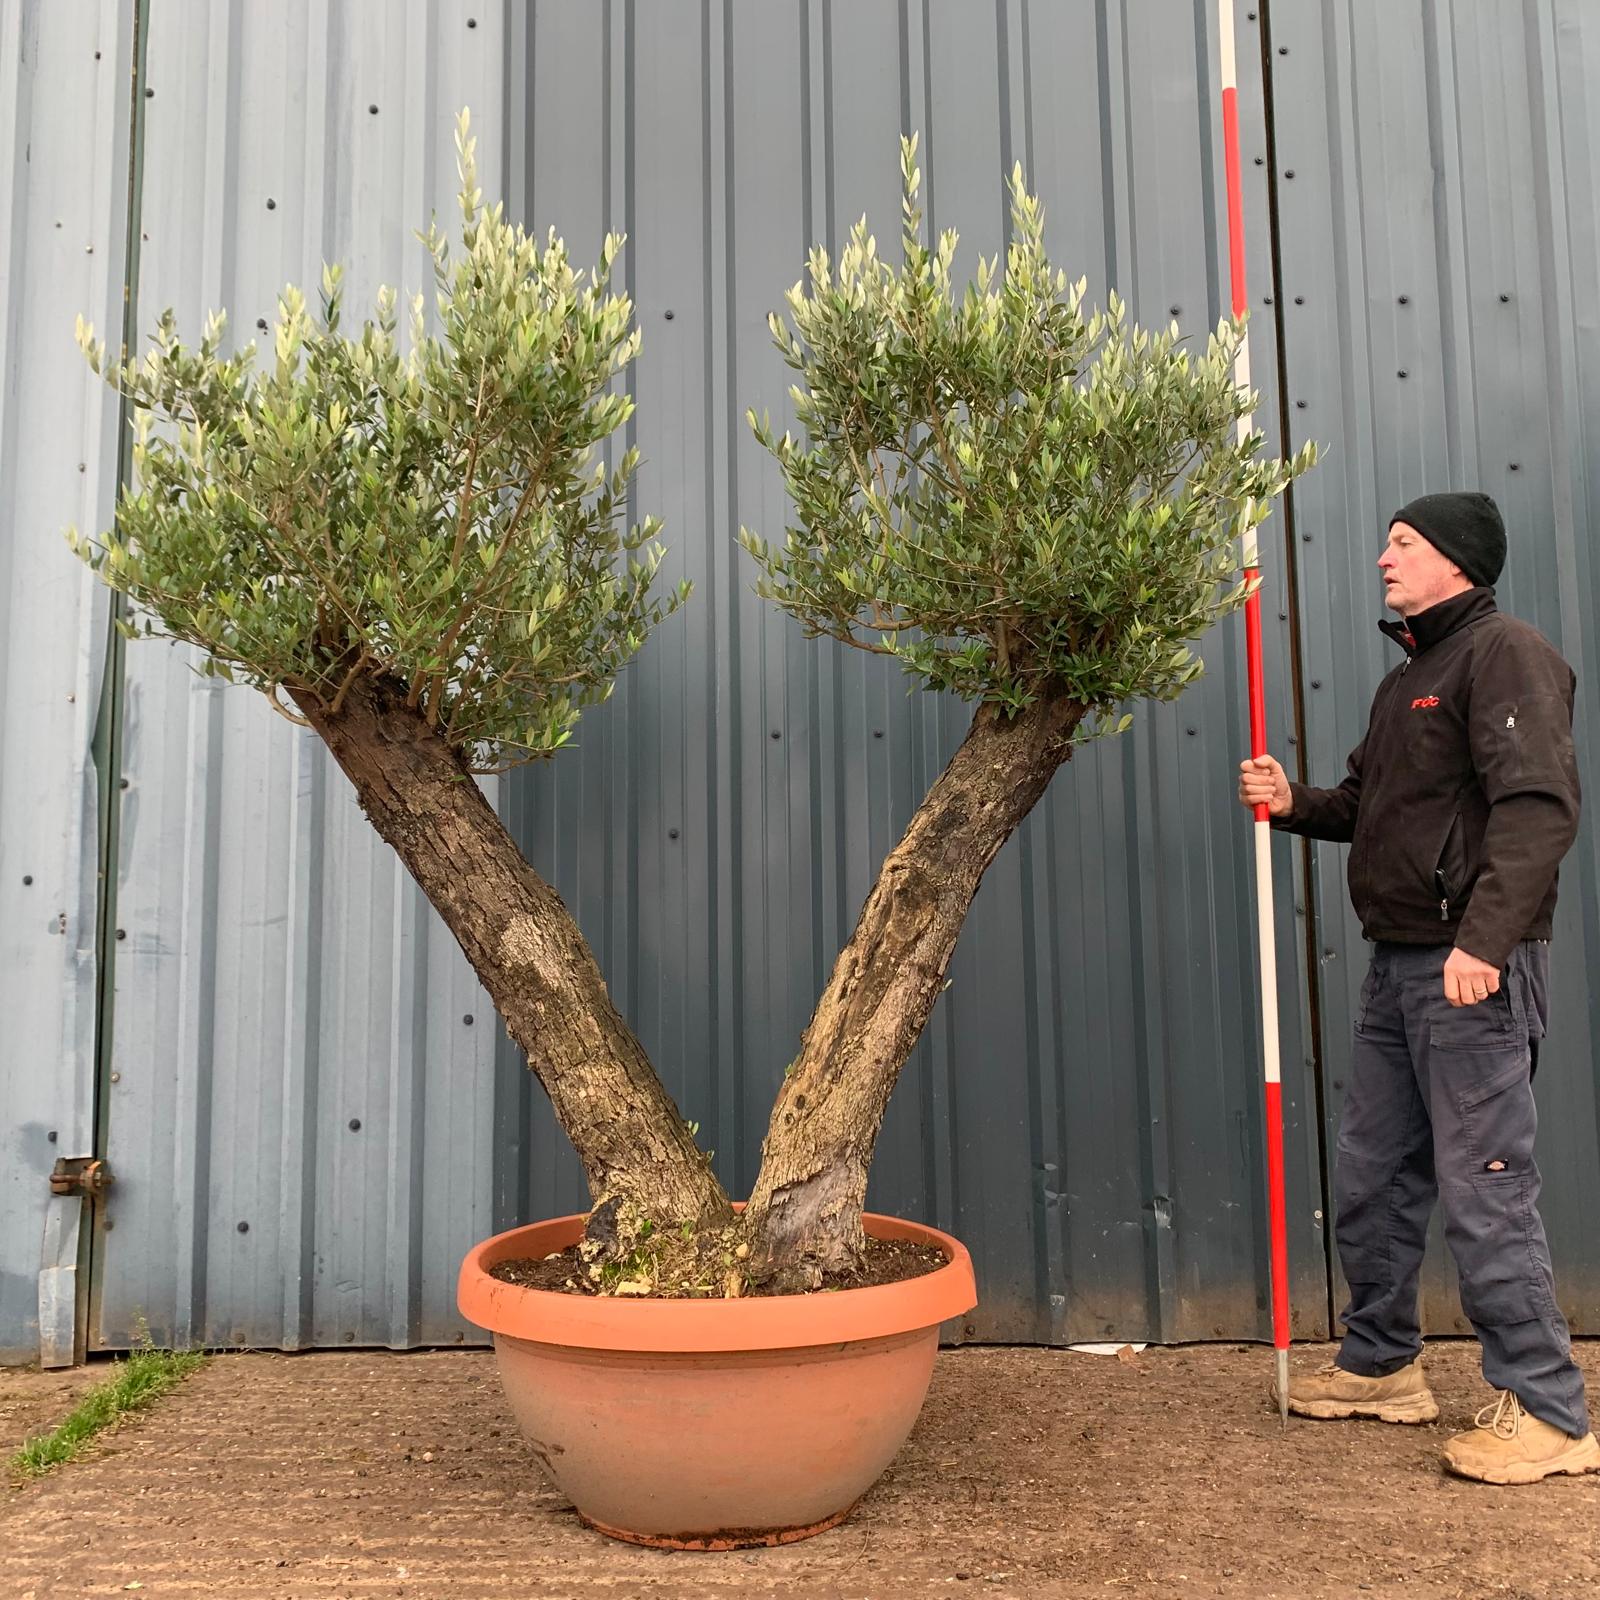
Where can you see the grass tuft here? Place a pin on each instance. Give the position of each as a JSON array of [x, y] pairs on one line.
[[134, 1383]]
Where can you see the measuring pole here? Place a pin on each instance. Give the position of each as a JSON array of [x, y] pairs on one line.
[[1261, 827]]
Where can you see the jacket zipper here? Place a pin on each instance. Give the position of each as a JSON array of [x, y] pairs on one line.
[[1440, 881]]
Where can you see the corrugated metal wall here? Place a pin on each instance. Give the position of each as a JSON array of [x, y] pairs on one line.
[[63, 196], [1084, 1107], [1439, 185], [306, 1128], [301, 1116]]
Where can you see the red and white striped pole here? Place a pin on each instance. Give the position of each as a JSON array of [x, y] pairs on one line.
[[1258, 743]]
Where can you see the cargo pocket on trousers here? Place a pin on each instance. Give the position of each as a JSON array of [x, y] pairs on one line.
[[1498, 1119]]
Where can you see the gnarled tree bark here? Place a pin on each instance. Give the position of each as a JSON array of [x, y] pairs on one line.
[[528, 952], [804, 1216]]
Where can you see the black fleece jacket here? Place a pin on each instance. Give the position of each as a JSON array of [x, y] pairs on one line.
[[1463, 796]]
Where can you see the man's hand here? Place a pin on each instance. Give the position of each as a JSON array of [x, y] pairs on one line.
[[1262, 783], [1467, 980]]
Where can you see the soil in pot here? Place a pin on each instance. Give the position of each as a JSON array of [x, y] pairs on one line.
[[887, 1261]]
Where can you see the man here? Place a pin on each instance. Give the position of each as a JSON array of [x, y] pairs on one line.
[[1459, 804]]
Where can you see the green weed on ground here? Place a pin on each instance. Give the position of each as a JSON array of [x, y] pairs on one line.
[[134, 1383]]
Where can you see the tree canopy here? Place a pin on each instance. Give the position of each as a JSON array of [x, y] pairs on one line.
[[1000, 489], [436, 509]]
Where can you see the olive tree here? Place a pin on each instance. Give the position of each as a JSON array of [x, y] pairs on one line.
[[415, 547]]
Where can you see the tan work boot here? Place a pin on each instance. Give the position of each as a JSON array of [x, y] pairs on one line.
[[1506, 1445], [1331, 1392]]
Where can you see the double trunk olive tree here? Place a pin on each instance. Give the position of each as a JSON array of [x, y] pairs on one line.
[[414, 549]]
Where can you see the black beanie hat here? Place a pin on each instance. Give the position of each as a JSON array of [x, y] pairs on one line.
[[1464, 525]]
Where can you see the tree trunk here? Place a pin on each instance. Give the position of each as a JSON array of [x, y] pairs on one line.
[[528, 953], [804, 1216]]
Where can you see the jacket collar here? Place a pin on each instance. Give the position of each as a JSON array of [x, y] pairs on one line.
[[1425, 629]]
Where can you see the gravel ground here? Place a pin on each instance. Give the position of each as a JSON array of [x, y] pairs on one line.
[[1031, 1473]]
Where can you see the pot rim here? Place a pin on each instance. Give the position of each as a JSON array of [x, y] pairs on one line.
[[762, 1322]]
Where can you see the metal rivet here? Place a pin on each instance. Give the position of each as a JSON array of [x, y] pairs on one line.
[[261, 323], [1266, 299], [1293, 739], [1305, 538], [272, 205], [1504, 298], [27, 878], [776, 734], [122, 933], [149, 94], [244, 1227], [669, 315], [1249, 16], [1283, 49], [877, 733], [355, 1124], [1174, 309], [52, 1136], [1401, 373], [1299, 299], [1190, 732], [472, 22], [1288, 172], [1283, 616], [97, 55], [672, 833], [116, 1077], [122, 783], [373, 110], [1261, 161], [1300, 405], [109, 1225], [1516, 466], [467, 1020], [1316, 683], [1405, 299], [349, 1338]]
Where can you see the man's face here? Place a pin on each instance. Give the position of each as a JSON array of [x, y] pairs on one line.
[[1415, 574]]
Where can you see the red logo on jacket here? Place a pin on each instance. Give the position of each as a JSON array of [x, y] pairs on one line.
[[1425, 702]]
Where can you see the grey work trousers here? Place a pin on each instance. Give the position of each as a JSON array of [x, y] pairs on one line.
[[1439, 1103]]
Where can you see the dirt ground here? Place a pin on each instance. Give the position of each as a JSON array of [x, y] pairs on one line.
[[1032, 1473]]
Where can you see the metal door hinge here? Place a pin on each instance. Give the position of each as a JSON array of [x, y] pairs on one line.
[[85, 1175]]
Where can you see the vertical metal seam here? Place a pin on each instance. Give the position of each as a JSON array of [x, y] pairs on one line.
[[113, 687], [735, 643], [1297, 700]]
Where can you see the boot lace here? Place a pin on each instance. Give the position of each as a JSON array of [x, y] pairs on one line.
[[1503, 1418]]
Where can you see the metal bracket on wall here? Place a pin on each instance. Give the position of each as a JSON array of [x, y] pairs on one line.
[[85, 1175], [74, 1180]]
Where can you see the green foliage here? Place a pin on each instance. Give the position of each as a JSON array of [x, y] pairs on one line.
[[433, 511], [999, 490], [134, 1383]]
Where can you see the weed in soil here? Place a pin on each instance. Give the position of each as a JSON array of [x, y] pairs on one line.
[[142, 1378]]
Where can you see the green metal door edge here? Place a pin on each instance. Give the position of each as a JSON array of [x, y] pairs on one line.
[[106, 748]]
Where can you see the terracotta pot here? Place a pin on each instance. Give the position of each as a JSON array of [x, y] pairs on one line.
[[714, 1424]]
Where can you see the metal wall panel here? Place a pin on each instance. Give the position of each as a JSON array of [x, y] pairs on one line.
[[64, 99], [1084, 1110], [1440, 274], [290, 1043], [302, 1108]]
